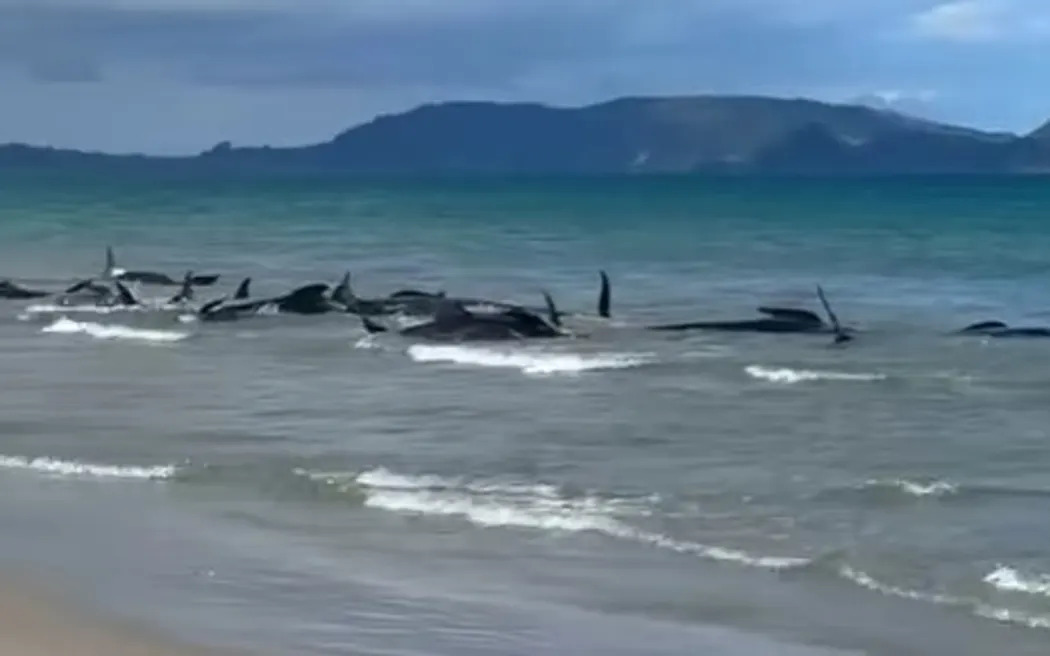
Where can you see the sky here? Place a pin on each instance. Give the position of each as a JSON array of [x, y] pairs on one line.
[[178, 76]]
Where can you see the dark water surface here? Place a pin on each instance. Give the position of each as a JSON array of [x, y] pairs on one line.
[[288, 485]]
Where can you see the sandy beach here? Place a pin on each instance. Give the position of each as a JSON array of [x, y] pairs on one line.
[[35, 622]]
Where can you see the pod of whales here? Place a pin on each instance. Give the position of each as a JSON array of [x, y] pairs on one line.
[[443, 317]]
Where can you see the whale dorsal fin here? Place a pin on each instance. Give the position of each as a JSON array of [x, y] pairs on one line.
[[342, 292], [111, 262], [243, 290], [552, 310], [604, 296]]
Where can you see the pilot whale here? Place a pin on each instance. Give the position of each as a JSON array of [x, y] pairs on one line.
[[10, 290], [113, 272], [998, 329], [776, 319], [453, 322]]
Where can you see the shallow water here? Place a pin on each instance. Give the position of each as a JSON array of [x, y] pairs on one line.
[[291, 485]]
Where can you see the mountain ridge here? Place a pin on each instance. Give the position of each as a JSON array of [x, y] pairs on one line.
[[740, 135]]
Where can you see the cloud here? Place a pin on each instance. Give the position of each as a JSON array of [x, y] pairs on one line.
[[983, 21], [246, 70], [965, 20]]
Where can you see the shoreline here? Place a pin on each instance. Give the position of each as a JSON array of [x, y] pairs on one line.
[[37, 620]]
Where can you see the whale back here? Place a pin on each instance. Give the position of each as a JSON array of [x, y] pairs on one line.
[[449, 311], [791, 314], [982, 326]]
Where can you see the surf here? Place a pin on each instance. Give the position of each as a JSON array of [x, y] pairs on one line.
[[67, 326], [531, 363]]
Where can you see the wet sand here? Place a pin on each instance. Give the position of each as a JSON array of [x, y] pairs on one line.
[[35, 621]]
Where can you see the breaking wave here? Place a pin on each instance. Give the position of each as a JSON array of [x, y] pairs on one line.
[[67, 326], [530, 363], [75, 469], [976, 606], [1008, 579], [513, 504], [914, 488], [788, 376], [49, 308]]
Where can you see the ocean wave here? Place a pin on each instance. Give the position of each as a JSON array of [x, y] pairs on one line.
[[914, 488], [535, 363], [67, 326], [789, 376], [1008, 579], [494, 503], [73, 468], [877, 490], [976, 606], [381, 477]]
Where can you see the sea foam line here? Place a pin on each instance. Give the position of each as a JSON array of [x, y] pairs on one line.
[[73, 468], [976, 606], [789, 376], [530, 363], [537, 506], [67, 326], [48, 308]]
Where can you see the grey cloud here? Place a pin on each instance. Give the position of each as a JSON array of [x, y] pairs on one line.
[[248, 69], [464, 42]]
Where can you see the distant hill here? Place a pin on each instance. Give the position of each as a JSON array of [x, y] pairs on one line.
[[697, 134]]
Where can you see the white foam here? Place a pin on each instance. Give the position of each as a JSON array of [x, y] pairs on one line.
[[47, 308], [791, 376], [493, 503], [916, 489], [73, 468], [535, 363], [865, 580], [381, 477], [67, 326], [976, 606], [366, 342], [1009, 579], [1012, 616]]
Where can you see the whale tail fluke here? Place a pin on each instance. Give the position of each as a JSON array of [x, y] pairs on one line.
[[186, 292], [211, 306], [78, 286], [604, 296], [124, 295], [372, 327], [841, 336]]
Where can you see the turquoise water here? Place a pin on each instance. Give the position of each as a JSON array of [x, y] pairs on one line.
[[287, 485]]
